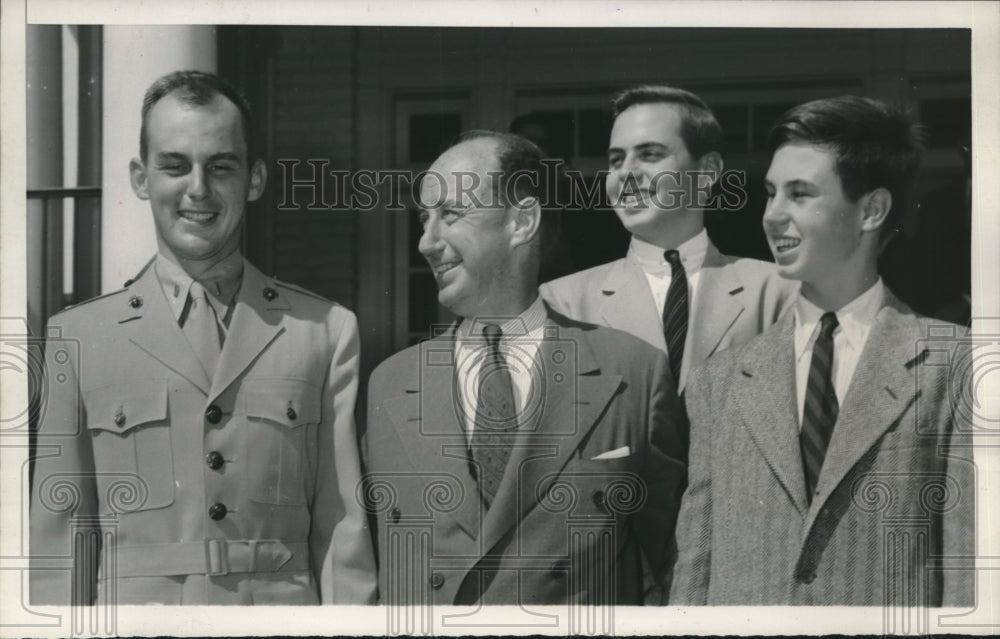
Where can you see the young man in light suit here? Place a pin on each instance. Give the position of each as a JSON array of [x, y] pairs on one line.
[[519, 457], [200, 421], [673, 289], [827, 465]]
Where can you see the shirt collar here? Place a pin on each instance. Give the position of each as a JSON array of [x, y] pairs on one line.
[[855, 318], [222, 282], [650, 256], [529, 321]]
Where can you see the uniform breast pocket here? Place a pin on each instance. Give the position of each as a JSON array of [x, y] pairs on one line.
[[279, 412], [133, 454]]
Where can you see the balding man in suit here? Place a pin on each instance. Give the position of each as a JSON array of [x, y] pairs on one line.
[[518, 457]]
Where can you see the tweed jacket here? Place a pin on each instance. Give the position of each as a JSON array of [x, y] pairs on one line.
[[895, 496], [233, 490], [590, 492], [737, 299]]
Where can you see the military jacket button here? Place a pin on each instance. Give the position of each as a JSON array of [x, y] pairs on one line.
[[394, 515], [135, 301], [808, 577], [217, 511], [291, 413], [214, 460], [270, 293], [599, 499], [213, 414], [437, 580], [119, 419]]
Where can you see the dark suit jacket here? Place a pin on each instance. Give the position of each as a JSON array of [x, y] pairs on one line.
[[564, 527], [131, 418], [896, 492], [737, 299]]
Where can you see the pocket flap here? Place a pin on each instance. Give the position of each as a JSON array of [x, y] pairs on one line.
[[291, 403], [120, 409]]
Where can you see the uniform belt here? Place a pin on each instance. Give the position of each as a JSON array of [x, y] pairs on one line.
[[213, 557]]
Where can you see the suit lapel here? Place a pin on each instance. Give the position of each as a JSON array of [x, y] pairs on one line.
[[629, 305], [764, 393], [717, 305], [155, 330], [575, 395], [255, 324], [427, 423], [881, 388]]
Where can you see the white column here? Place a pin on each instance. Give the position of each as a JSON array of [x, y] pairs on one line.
[[135, 56]]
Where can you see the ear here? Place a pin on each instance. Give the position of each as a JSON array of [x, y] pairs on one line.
[[712, 163], [526, 221], [138, 178], [875, 208], [258, 178]]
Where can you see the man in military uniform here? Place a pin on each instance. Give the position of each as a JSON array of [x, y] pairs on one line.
[[200, 420]]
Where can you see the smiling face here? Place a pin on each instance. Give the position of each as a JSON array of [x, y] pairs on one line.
[[650, 182], [196, 178], [467, 236], [817, 235]]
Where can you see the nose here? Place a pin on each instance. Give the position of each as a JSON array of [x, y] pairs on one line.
[[197, 188], [430, 239], [775, 216]]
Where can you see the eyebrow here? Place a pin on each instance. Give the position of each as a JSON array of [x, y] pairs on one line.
[[645, 146], [173, 155]]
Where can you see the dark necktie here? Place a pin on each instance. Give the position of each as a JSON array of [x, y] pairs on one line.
[[496, 421], [675, 313], [820, 411]]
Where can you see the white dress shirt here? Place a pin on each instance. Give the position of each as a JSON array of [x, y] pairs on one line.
[[855, 321], [519, 342], [657, 269]]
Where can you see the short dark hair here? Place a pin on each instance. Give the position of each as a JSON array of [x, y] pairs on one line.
[[699, 128], [875, 146], [196, 88]]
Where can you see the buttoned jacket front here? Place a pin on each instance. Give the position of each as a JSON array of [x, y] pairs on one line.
[[233, 490], [588, 496]]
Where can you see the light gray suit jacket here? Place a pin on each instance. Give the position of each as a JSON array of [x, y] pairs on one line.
[[895, 495], [737, 299]]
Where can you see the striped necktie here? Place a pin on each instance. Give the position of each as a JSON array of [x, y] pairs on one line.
[[496, 420], [675, 313], [821, 408]]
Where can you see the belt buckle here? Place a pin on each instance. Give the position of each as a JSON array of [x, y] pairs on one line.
[[216, 558]]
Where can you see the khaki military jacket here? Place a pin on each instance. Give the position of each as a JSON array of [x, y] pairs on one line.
[[238, 489]]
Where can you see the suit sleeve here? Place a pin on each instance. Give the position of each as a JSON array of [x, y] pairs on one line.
[[64, 492], [664, 474], [694, 533], [339, 541], [959, 525]]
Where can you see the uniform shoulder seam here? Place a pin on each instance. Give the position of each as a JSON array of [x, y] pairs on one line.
[[304, 291], [88, 301]]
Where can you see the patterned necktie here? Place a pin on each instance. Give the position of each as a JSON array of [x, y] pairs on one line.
[[201, 327], [496, 422], [820, 411], [675, 313]]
